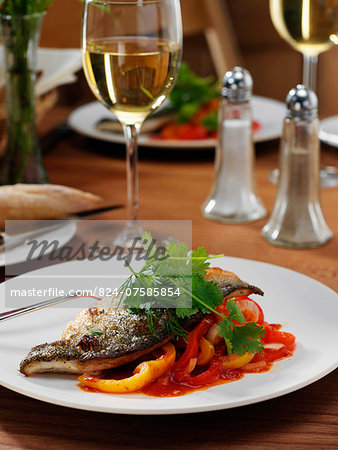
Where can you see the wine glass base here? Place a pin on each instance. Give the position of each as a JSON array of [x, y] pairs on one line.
[[131, 233], [328, 176], [131, 237]]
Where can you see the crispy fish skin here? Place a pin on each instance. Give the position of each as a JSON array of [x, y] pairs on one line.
[[100, 338], [231, 285], [81, 348]]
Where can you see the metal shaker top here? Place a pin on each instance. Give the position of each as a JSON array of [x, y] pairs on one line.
[[237, 85], [302, 103]]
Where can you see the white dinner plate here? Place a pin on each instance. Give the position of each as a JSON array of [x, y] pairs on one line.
[[18, 254], [269, 113], [304, 306], [328, 131]]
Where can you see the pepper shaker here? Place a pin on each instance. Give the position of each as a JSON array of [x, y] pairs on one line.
[[297, 220], [233, 198]]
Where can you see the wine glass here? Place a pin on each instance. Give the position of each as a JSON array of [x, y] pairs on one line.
[[311, 27], [131, 52]]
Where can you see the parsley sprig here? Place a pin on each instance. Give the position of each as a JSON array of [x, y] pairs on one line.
[[183, 271], [191, 93]]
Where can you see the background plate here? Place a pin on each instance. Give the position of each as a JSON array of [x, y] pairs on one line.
[[62, 234], [270, 113], [328, 131], [304, 306]]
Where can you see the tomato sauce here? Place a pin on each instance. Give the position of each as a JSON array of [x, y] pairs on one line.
[[166, 386]]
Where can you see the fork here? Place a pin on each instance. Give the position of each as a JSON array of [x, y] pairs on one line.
[[36, 306]]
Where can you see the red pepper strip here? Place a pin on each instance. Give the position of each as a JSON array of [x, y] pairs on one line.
[[283, 352], [207, 377], [271, 354], [193, 340], [277, 337], [275, 326], [250, 309]]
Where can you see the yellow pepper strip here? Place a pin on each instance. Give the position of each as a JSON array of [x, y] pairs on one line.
[[235, 362], [145, 373], [206, 353]]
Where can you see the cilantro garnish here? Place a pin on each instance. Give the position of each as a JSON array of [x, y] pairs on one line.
[[183, 271], [246, 338], [210, 121], [190, 93]]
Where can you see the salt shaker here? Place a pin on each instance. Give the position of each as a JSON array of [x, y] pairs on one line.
[[297, 220], [233, 198]]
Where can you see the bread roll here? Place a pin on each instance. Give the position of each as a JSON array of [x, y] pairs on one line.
[[42, 201]]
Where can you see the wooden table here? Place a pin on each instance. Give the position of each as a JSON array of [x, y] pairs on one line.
[[173, 186]]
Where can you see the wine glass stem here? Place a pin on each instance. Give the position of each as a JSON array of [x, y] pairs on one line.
[[310, 71], [131, 133]]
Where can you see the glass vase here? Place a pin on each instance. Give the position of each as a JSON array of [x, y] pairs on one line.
[[23, 159]]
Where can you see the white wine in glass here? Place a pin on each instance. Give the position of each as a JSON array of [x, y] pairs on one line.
[[130, 75], [131, 54], [311, 27]]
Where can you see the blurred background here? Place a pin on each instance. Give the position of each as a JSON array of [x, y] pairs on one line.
[[217, 33]]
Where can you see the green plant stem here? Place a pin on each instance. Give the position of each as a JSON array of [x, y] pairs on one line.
[[182, 258], [23, 161]]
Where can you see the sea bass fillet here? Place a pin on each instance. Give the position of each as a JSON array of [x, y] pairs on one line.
[[82, 348], [104, 337]]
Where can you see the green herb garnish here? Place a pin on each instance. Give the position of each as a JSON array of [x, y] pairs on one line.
[[210, 121], [183, 271], [191, 92]]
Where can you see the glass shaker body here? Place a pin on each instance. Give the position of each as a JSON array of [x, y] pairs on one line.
[[297, 220], [233, 197]]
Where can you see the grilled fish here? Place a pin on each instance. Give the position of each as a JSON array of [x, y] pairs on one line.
[[231, 285], [104, 337]]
